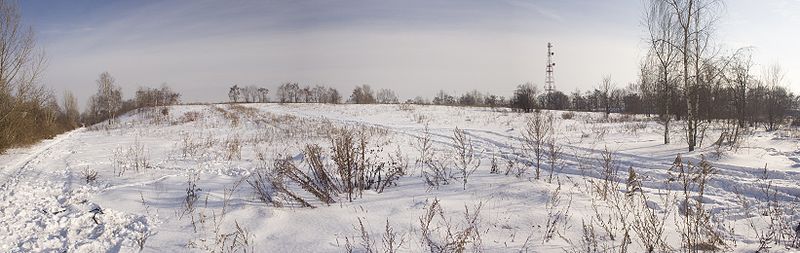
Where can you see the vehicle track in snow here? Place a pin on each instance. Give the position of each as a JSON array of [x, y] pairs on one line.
[[13, 171], [46, 208]]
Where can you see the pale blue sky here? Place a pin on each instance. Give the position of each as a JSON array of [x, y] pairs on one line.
[[415, 47]]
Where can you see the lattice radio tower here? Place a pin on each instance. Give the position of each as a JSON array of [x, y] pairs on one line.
[[549, 81]]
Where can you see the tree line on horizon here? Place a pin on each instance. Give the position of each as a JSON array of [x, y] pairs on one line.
[[761, 104], [108, 102]]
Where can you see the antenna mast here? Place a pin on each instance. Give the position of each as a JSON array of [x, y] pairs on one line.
[[549, 81]]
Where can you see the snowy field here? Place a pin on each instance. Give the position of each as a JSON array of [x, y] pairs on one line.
[[187, 182]]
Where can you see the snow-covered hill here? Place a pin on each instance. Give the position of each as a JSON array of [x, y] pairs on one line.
[[185, 182]]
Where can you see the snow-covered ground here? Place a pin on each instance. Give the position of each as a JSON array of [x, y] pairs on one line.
[[150, 166]]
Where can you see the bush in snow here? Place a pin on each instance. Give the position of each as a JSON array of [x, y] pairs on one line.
[[357, 162], [286, 168], [189, 117], [313, 156], [466, 160], [696, 224], [262, 181], [436, 169], [588, 242], [535, 137], [345, 155], [233, 148], [437, 172], [440, 234], [391, 241], [557, 213], [772, 223], [609, 174], [567, 115], [192, 195], [554, 159], [278, 181], [357, 167], [397, 167], [424, 145], [135, 157], [230, 116], [89, 175]]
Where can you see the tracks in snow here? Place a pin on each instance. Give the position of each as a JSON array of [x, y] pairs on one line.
[[729, 181], [11, 173]]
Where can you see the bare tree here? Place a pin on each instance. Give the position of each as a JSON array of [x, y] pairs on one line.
[[289, 93], [107, 102], [442, 98], [494, 101], [554, 155], [472, 98], [27, 109], [249, 94], [661, 28], [333, 96], [466, 159], [386, 96], [535, 138], [306, 95], [18, 55], [778, 101], [606, 88], [71, 112], [525, 97], [741, 81], [155, 97], [319, 93], [695, 21], [363, 95], [263, 95], [235, 93]]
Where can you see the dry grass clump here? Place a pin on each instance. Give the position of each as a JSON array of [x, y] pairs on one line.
[[322, 190], [135, 157], [276, 185], [187, 117], [438, 169], [233, 148], [771, 220], [440, 234], [557, 214], [567, 115], [697, 225], [245, 111], [391, 240], [228, 115], [265, 183], [191, 146], [214, 234]]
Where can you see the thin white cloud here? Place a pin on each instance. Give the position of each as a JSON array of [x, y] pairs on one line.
[[538, 9]]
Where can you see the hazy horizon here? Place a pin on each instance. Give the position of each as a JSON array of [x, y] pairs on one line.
[[413, 47]]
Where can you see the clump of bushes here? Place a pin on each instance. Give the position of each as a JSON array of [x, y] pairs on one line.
[[357, 166]]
